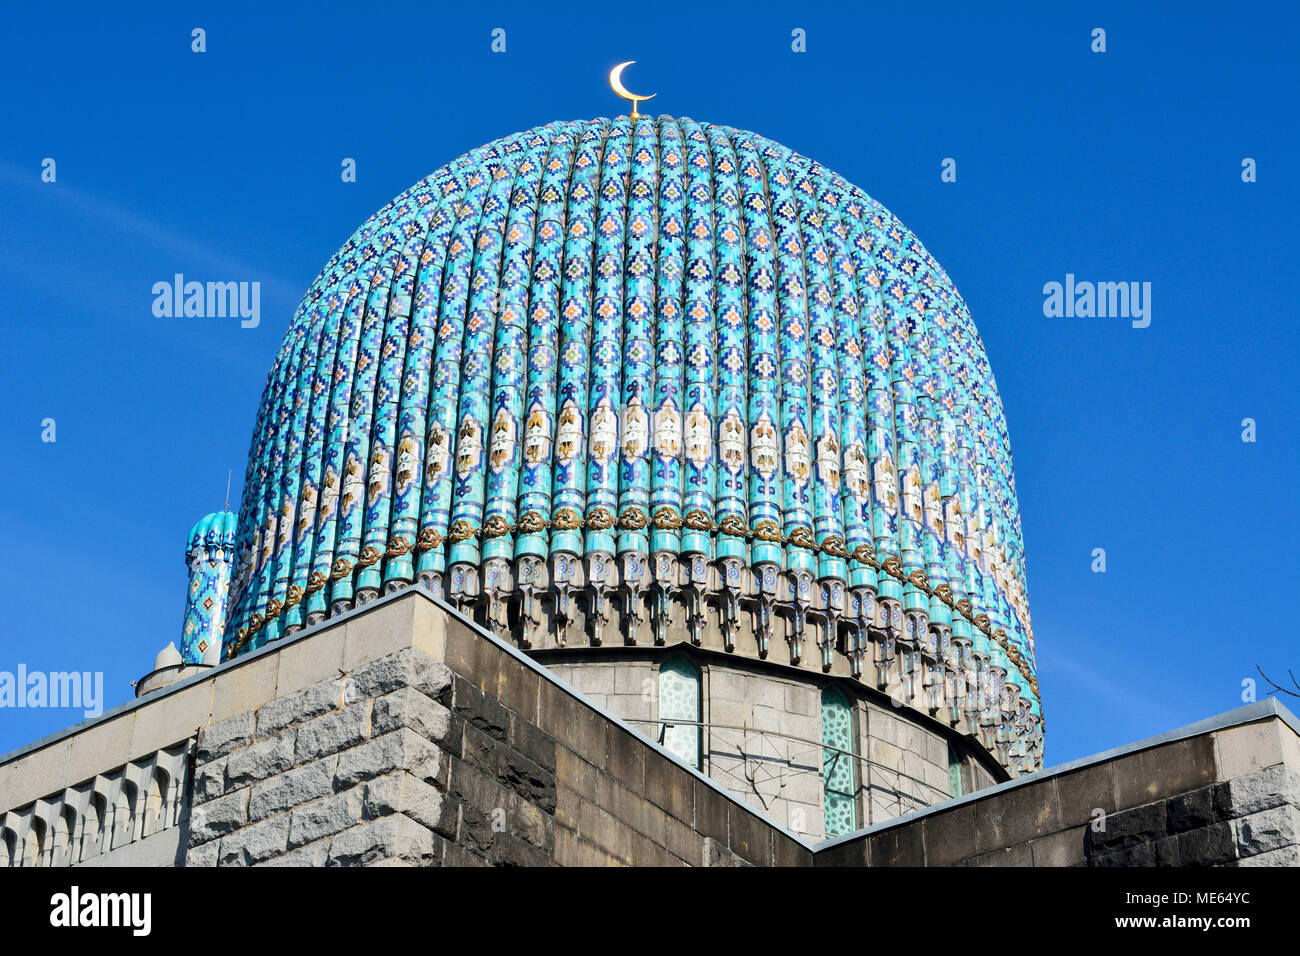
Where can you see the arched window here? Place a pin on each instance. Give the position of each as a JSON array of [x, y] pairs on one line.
[[679, 700], [839, 773], [954, 772]]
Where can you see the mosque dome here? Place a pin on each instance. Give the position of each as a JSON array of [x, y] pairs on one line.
[[631, 360]]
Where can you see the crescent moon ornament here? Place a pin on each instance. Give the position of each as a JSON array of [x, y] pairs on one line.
[[616, 83]]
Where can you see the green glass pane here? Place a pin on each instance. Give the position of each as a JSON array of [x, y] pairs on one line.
[[679, 699], [954, 772], [838, 771]]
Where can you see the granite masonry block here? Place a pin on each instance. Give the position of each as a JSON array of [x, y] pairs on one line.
[[203, 855], [260, 760], [573, 850], [399, 792], [1018, 816], [1127, 829], [1164, 771], [526, 778], [209, 780], [634, 810], [574, 773], [471, 787], [627, 759], [683, 842], [509, 850], [449, 854], [788, 853], [516, 687], [849, 853], [297, 786], [395, 836], [669, 787], [1142, 854], [717, 854], [408, 707], [1287, 856], [478, 749], [322, 818], [333, 732], [574, 724], [1266, 830], [255, 843], [406, 668], [219, 739], [218, 817], [1019, 854], [1079, 795], [297, 707], [1166, 851], [748, 836], [897, 846], [1208, 846], [401, 749], [1064, 848], [1263, 790], [527, 738], [313, 854], [531, 824], [1190, 811], [950, 836], [479, 710], [710, 816], [604, 830]]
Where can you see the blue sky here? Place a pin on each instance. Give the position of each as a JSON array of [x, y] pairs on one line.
[[1122, 166]]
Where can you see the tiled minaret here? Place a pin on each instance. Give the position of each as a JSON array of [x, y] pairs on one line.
[[209, 557]]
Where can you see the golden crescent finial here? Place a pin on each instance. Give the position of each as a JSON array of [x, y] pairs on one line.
[[616, 84]]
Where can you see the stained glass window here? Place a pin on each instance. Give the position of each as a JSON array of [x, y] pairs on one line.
[[679, 700], [838, 770]]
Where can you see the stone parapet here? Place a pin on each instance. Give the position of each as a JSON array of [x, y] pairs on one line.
[[1222, 793]]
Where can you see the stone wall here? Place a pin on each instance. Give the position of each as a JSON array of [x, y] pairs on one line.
[[453, 751], [400, 733], [762, 733], [1224, 795]]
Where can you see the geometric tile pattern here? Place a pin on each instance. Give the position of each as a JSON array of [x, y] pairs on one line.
[[210, 556]]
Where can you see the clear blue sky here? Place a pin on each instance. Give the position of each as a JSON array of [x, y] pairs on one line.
[[1117, 166]]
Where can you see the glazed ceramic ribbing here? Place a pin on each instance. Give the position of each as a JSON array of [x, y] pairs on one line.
[[611, 352]]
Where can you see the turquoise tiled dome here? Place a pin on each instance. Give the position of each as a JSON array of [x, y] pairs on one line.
[[615, 341]]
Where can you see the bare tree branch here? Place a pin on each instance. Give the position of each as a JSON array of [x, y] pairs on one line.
[[1279, 688]]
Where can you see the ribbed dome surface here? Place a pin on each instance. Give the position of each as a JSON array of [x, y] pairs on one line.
[[634, 337]]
